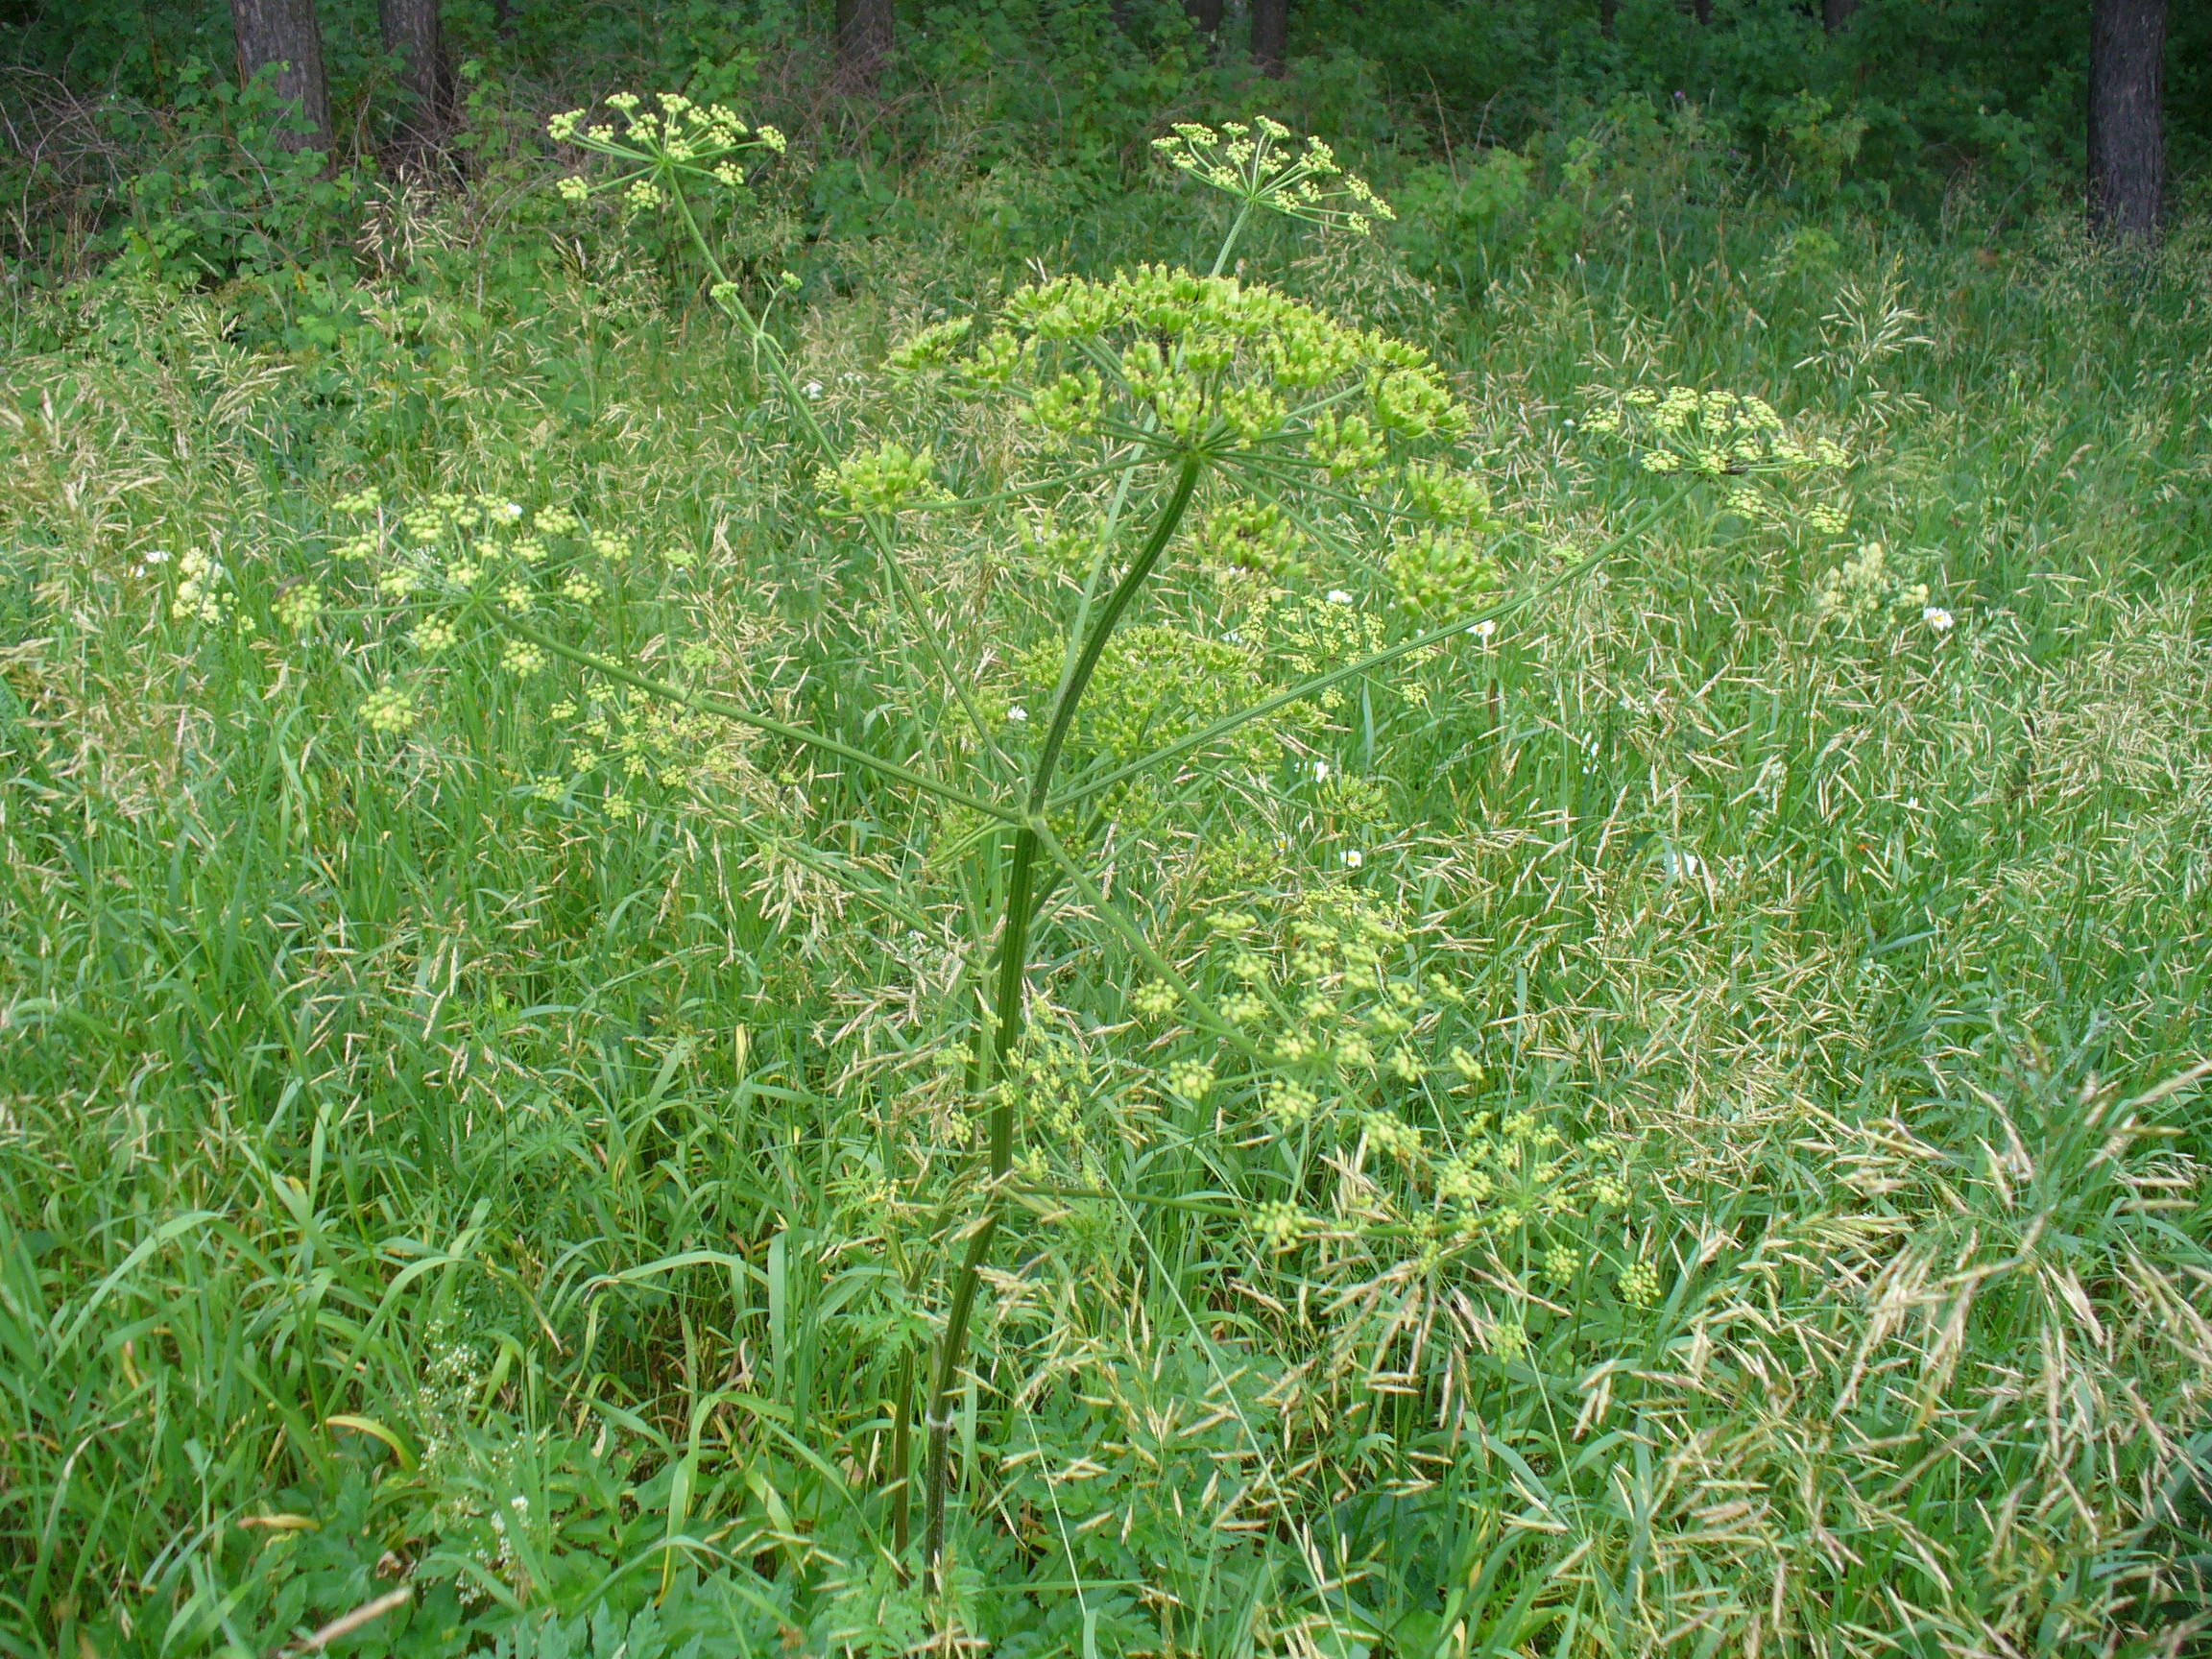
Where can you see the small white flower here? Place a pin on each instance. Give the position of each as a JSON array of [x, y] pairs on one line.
[[1912, 803], [1353, 858], [1483, 629], [1017, 713], [812, 388], [1337, 596], [1320, 771], [511, 511], [1567, 422], [159, 556], [1938, 619]]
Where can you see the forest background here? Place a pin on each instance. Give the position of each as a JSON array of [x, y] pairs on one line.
[[1649, 1104]]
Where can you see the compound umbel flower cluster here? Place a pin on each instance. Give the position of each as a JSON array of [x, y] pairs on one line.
[[675, 137], [1165, 357], [1253, 163]]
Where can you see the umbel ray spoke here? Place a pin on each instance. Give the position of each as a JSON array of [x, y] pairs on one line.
[[714, 705]]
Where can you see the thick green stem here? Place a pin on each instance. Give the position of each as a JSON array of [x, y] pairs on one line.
[[1007, 1013], [1229, 242], [901, 1454], [1120, 601]]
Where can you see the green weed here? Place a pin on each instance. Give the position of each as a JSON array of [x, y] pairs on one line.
[[1666, 1123]]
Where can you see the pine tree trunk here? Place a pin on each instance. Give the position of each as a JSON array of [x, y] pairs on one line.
[[2127, 114], [1206, 14], [1271, 36], [865, 32], [412, 35], [285, 34], [1836, 15], [1607, 12]]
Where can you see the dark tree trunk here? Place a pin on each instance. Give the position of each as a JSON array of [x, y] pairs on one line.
[[2126, 115], [411, 34], [285, 34], [1271, 36], [1206, 14], [1836, 15], [1704, 10], [1607, 12], [864, 38]]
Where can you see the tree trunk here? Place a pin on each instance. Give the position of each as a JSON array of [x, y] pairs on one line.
[[1271, 36], [1607, 12], [285, 34], [1206, 14], [864, 39], [411, 34], [2127, 114], [1836, 15]]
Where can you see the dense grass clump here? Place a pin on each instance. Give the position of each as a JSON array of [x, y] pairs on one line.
[[1661, 1119]]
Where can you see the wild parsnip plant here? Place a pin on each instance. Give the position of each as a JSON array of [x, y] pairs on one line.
[[1668, 1123], [1157, 387]]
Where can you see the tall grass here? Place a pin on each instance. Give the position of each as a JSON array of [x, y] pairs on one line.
[[420, 1176]]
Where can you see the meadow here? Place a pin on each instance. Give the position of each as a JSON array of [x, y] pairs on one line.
[[1649, 1102]]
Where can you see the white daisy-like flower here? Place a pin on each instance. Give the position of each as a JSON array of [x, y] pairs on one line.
[[1938, 619], [159, 556], [1483, 629], [1337, 596], [1354, 858], [1017, 713], [1320, 771], [812, 388]]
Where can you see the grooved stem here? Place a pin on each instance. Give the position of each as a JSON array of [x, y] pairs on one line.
[[1007, 1013]]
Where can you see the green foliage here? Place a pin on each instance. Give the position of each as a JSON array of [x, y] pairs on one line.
[[1667, 1118], [224, 197]]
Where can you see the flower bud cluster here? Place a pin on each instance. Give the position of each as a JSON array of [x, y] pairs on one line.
[[447, 568], [1280, 1225], [881, 480], [632, 742], [1711, 433], [1256, 163], [1050, 1083], [1440, 572], [389, 710], [203, 593], [1865, 589], [1329, 985], [1200, 361], [300, 607], [1251, 539]]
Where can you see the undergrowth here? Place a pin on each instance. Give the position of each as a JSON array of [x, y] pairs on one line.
[[1665, 1122]]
